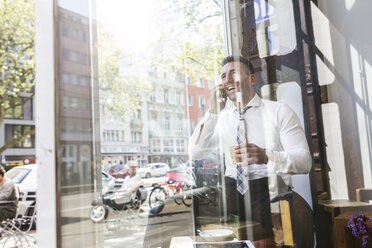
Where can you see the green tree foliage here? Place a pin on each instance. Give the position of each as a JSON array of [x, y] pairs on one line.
[[121, 93], [17, 67], [191, 38]]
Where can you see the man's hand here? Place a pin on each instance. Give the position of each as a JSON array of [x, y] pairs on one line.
[[217, 99], [256, 154]]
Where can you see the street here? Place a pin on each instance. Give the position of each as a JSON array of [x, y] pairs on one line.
[[121, 228]]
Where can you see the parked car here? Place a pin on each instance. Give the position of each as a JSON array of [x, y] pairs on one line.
[[153, 170], [108, 182], [25, 178], [119, 171]]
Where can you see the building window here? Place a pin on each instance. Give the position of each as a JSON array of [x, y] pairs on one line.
[[66, 101], [65, 54], [180, 123], [168, 145], [201, 83], [74, 57], [74, 34], [178, 98], [83, 37], [83, 59], [15, 131], [136, 137], [65, 78], [152, 96], [189, 100], [167, 122], [65, 31], [74, 79], [179, 77], [189, 81], [159, 95], [74, 102], [210, 84], [201, 101], [83, 81], [16, 109], [166, 96], [191, 126]]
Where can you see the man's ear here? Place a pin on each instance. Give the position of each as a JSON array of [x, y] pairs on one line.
[[253, 79]]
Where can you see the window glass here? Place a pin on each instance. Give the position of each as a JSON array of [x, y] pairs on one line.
[[17, 175], [145, 66]]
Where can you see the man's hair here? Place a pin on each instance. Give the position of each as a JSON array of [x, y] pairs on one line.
[[2, 170], [233, 58]]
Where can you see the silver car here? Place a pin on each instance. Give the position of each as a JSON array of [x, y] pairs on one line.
[[153, 170]]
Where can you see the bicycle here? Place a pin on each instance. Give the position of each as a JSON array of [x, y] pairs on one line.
[[171, 188]]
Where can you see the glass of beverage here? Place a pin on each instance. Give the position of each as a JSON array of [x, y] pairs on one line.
[[234, 158]]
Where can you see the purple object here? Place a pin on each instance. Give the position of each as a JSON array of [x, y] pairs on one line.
[[358, 226]]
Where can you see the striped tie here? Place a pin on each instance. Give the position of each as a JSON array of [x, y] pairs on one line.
[[242, 171]]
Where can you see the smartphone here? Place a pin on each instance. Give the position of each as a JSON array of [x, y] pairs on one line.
[[222, 95]]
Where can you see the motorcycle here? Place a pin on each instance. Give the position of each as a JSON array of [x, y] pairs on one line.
[[117, 204]]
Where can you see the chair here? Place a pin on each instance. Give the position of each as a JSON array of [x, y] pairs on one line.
[[297, 220], [16, 231], [363, 194]]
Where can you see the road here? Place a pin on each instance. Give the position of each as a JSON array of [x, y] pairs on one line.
[[77, 230], [125, 230]]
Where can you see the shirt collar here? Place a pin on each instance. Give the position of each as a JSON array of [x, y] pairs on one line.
[[254, 102]]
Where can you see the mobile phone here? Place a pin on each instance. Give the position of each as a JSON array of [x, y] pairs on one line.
[[222, 95]]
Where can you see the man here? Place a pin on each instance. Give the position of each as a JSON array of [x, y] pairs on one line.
[[128, 189], [8, 197], [264, 137], [132, 181]]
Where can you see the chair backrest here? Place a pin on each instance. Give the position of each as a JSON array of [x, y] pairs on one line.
[[363, 194], [300, 218]]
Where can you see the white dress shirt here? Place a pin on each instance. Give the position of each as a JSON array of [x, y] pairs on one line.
[[271, 125], [129, 183]]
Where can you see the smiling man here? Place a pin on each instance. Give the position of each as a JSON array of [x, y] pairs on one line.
[[260, 140]]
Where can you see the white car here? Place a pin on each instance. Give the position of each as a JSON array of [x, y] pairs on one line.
[[153, 170], [25, 178], [108, 182]]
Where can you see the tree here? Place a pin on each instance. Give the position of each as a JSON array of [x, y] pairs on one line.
[[17, 67], [121, 93], [190, 38]]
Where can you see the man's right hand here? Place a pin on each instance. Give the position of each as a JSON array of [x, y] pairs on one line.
[[217, 99]]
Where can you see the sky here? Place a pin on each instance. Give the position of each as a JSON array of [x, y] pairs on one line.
[[130, 21]]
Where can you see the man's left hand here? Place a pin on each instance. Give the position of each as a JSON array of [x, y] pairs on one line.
[[256, 154]]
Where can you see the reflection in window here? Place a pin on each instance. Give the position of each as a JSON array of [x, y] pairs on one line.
[[65, 78], [65, 54], [190, 100], [166, 92], [74, 79], [167, 122], [210, 84], [14, 132]]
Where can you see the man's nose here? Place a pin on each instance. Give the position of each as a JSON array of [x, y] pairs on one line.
[[229, 79]]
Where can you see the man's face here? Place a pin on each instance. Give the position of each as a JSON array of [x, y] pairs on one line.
[[132, 171], [236, 78]]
